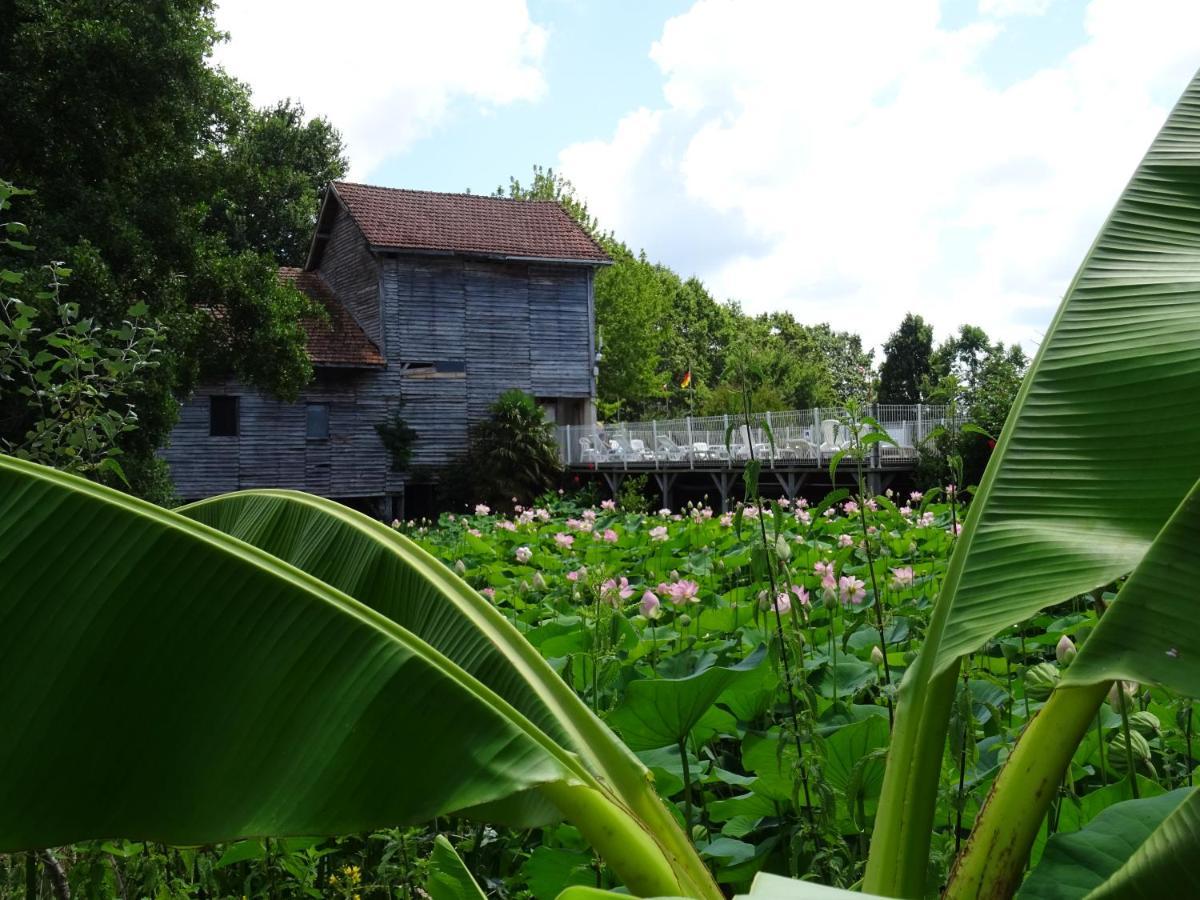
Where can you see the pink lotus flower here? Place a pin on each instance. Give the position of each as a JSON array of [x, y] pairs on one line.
[[726, 520], [804, 516], [613, 592], [801, 502], [801, 594], [664, 512], [902, 577], [542, 514], [844, 540], [575, 574], [783, 604], [851, 589], [951, 490], [681, 591], [872, 505], [611, 536], [482, 509], [915, 496], [829, 511], [955, 529], [659, 533], [650, 607], [506, 525], [489, 592], [906, 511], [926, 520], [475, 532], [850, 507], [608, 504], [523, 554], [824, 568], [564, 540]]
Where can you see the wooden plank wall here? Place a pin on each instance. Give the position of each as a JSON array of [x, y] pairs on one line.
[[272, 449], [485, 326], [352, 272]]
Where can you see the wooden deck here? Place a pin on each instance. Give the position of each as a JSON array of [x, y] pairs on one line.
[[795, 448]]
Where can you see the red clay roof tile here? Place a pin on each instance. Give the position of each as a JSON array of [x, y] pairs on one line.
[[336, 342], [467, 223]]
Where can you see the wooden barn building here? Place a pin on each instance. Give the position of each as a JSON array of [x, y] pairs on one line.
[[437, 301]]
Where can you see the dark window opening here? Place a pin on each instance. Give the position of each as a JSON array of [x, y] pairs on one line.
[[223, 416], [318, 421]]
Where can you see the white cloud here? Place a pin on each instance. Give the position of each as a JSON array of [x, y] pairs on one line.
[[851, 162], [1003, 8], [386, 74]]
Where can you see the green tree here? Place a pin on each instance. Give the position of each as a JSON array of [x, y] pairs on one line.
[[906, 364], [156, 182], [65, 382], [272, 170]]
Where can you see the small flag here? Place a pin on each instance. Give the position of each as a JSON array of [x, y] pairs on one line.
[[687, 379]]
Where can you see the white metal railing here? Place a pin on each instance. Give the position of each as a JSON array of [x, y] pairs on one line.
[[796, 438]]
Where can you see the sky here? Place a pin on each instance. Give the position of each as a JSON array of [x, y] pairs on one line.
[[848, 162]]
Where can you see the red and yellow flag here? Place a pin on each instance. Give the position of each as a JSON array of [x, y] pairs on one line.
[[687, 379]]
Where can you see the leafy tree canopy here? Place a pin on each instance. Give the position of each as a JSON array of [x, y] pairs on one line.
[[906, 361], [157, 182]]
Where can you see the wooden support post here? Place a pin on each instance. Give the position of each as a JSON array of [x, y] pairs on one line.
[[723, 481], [665, 480], [614, 480]]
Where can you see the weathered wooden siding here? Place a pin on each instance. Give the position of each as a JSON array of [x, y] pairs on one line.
[[507, 324], [560, 327], [476, 327], [352, 271], [272, 448]]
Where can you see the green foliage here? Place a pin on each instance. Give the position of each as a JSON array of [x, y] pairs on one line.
[[158, 183], [632, 496], [653, 327], [67, 382], [399, 438], [907, 362], [512, 456]]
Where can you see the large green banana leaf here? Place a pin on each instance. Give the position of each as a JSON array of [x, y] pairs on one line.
[[1152, 632], [227, 643], [163, 680], [1101, 446], [390, 573], [1103, 441], [1136, 850]]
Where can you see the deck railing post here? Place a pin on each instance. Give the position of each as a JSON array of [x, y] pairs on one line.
[[691, 447], [727, 440], [654, 437], [568, 447], [771, 438]]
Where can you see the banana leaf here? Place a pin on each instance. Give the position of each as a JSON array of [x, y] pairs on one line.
[[1098, 451]]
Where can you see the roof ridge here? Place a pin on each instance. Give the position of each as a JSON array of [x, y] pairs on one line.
[[467, 194]]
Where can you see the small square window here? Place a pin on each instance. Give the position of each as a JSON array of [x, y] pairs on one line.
[[223, 416], [318, 421]]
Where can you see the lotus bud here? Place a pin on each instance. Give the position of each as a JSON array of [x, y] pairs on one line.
[[685, 620], [1040, 680], [674, 575], [1065, 651], [1121, 693], [1118, 756], [395, 523], [1145, 723], [538, 581], [524, 586], [782, 550], [876, 656], [460, 567]]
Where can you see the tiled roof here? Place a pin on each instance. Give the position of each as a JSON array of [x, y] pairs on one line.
[[467, 223], [336, 342]]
